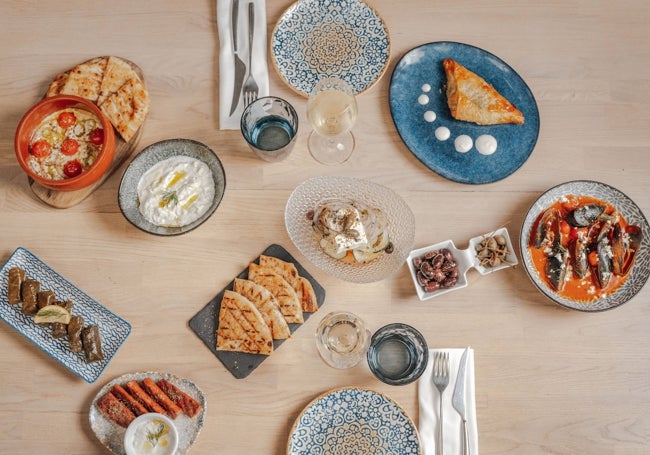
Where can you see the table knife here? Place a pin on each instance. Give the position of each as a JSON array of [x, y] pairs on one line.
[[458, 400], [240, 67]]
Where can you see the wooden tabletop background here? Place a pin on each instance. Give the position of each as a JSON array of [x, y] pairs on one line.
[[548, 380]]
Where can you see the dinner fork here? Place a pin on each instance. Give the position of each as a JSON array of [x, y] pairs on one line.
[[440, 380], [250, 86]]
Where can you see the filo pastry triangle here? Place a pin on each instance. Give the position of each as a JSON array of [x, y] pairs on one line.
[[472, 99], [241, 326]]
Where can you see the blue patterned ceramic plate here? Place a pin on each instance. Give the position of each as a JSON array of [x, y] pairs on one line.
[[111, 435], [343, 38], [353, 420], [632, 214], [113, 329], [419, 77]]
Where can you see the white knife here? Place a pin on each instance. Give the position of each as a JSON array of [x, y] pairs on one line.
[[240, 67], [458, 400]]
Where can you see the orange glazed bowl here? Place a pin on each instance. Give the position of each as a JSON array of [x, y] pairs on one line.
[[52, 164]]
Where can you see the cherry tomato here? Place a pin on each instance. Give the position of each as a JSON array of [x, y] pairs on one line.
[[72, 168], [69, 147], [41, 148], [66, 119], [96, 136]]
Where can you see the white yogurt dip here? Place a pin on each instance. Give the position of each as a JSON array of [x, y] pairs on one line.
[[486, 144], [176, 192], [463, 143], [151, 434]]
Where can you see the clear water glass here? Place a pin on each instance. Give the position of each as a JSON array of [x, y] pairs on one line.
[[270, 126]]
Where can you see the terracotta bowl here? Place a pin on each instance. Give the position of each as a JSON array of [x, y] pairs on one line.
[[31, 121]]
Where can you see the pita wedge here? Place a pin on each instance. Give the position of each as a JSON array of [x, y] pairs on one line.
[[127, 108], [472, 99], [118, 72], [301, 285], [281, 290], [241, 326], [267, 306], [57, 85], [85, 79]]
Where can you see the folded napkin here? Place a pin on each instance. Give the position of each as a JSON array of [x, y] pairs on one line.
[[226, 56], [429, 399]]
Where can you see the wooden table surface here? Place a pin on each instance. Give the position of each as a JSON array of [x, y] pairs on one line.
[[548, 380]]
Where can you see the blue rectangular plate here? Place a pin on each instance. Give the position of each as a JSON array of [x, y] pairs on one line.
[[113, 329]]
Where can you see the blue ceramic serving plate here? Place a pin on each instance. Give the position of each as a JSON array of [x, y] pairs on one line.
[[113, 329], [422, 66]]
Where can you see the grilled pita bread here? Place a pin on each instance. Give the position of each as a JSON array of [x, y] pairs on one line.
[[118, 72], [85, 79], [301, 285], [472, 99], [127, 108], [281, 290], [267, 306], [57, 85], [241, 326]]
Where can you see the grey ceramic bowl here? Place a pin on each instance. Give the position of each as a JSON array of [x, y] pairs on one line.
[[154, 153]]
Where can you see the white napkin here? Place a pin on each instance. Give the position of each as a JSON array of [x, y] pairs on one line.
[[429, 399], [226, 62]]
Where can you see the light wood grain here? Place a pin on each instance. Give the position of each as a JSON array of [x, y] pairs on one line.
[[549, 381]]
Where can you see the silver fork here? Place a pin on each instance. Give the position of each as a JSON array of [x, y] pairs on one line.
[[250, 86], [440, 380]]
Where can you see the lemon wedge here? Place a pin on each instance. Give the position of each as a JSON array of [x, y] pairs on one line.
[[52, 313]]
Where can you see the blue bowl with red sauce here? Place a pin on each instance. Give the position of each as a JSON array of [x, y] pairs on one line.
[[33, 118]]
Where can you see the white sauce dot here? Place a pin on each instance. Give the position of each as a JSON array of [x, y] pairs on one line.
[[430, 116], [463, 143], [426, 88], [423, 99], [442, 133], [486, 144]]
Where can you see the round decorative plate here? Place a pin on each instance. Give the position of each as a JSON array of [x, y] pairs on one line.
[[632, 214], [353, 420], [401, 225], [111, 435], [149, 156], [318, 38], [418, 104]]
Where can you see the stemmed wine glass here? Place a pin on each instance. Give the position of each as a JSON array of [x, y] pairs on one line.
[[332, 112]]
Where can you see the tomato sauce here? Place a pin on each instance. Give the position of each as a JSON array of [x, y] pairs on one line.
[[579, 289]]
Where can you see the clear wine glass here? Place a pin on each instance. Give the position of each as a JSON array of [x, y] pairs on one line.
[[332, 112]]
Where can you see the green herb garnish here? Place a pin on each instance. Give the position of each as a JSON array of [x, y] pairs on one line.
[[154, 437], [170, 197]]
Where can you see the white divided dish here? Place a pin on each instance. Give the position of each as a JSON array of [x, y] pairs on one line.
[[465, 260]]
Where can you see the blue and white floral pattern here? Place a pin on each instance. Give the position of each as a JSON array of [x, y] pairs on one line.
[[353, 420], [342, 38], [113, 329], [632, 214]]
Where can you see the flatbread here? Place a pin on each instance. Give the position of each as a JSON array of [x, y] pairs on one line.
[[472, 99], [57, 85], [118, 72], [241, 327], [127, 108], [267, 305], [281, 290], [85, 79], [301, 285]]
